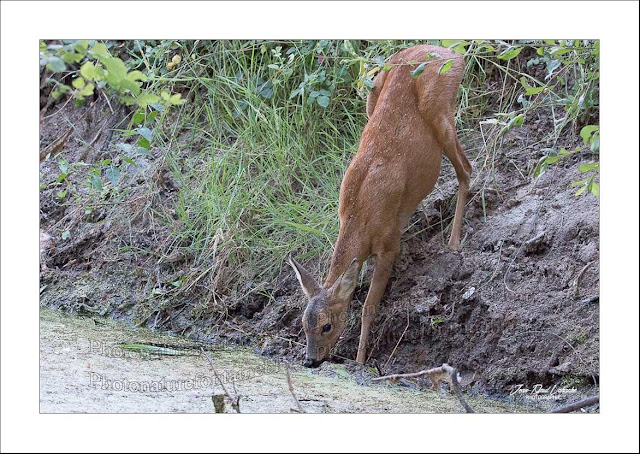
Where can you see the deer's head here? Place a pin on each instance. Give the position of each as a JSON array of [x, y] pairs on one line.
[[326, 314]]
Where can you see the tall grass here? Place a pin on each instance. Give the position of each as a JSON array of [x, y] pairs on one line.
[[260, 158]]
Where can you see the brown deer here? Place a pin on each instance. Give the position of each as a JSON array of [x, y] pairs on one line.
[[411, 123]]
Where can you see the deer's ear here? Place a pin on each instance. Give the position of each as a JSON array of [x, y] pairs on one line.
[[309, 285], [345, 285]]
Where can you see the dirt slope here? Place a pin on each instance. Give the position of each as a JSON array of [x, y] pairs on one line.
[[505, 307]]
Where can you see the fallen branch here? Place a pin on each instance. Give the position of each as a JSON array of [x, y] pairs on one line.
[[577, 405], [436, 375], [300, 409]]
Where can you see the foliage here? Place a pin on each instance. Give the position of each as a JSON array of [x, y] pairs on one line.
[[259, 151]]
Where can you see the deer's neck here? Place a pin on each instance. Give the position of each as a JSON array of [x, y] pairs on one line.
[[346, 249]]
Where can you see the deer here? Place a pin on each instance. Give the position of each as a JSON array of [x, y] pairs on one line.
[[410, 126]]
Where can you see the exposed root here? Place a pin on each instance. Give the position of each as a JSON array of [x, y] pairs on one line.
[[578, 278]]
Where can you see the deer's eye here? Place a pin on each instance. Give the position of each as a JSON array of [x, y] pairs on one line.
[[326, 328]]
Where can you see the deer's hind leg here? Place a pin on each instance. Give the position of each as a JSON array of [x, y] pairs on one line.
[[454, 152]]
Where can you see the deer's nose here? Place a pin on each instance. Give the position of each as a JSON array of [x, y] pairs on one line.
[[311, 363]]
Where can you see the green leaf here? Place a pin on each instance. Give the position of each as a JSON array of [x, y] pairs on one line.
[[99, 74], [560, 51], [323, 101], [78, 83], [113, 174], [137, 76], [595, 143], [446, 66], [61, 177], [419, 70], [146, 133], [132, 86], [145, 98], [529, 89], [130, 161], [100, 51], [125, 147], [81, 46], [587, 131], [510, 53], [95, 181], [56, 64], [294, 93], [87, 90], [513, 123], [595, 189], [144, 143], [457, 45], [138, 117], [583, 168], [581, 190], [177, 100], [72, 57]]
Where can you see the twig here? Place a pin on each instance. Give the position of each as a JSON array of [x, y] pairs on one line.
[[300, 409], [108, 103], [577, 405], [399, 340], [578, 278], [584, 363], [59, 110], [235, 403], [436, 375]]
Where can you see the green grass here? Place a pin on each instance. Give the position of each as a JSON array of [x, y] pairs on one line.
[[260, 171], [259, 167]]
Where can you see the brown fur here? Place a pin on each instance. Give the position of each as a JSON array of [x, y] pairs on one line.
[[411, 124]]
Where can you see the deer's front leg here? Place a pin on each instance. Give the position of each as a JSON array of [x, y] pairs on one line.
[[381, 274]]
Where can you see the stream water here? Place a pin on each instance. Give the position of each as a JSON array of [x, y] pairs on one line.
[[85, 368]]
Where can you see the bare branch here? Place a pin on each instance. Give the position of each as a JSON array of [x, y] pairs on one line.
[[235, 402], [300, 409], [577, 405], [436, 375]]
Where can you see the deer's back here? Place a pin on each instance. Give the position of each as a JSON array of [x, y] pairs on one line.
[[398, 159]]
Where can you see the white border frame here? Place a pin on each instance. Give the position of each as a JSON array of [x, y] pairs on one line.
[[615, 23]]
